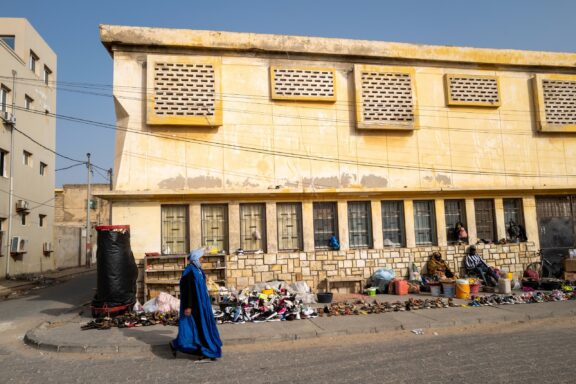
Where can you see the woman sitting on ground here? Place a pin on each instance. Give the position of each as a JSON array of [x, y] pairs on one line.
[[437, 268]]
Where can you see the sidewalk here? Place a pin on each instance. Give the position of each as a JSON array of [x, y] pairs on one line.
[[65, 335], [9, 288]]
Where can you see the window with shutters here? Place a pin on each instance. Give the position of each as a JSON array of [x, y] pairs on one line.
[[183, 90], [174, 235], [393, 223], [485, 219], [325, 224], [253, 227], [289, 220], [425, 222], [215, 226], [454, 213], [360, 224]]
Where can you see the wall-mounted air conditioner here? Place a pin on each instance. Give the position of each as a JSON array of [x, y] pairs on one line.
[[18, 245], [22, 205], [8, 117], [47, 247]]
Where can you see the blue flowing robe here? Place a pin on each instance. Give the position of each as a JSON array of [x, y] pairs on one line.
[[197, 334]]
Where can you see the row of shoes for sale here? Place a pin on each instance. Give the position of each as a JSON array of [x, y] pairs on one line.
[[133, 319]]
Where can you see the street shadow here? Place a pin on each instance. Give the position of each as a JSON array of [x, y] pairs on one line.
[[158, 340]]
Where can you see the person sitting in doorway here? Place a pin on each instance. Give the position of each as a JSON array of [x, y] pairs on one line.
[[476, 265], [437, 268]]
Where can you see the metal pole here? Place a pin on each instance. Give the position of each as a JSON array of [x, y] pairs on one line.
[[109, 201], [12, 159], [88, 231]]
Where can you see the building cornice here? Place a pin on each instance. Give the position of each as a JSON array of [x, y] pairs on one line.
[[115, 36]]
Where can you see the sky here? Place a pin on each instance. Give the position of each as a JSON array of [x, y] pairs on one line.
[[84, 71]]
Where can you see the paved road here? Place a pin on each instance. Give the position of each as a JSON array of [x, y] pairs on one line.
[[534, 352], [23, 313]]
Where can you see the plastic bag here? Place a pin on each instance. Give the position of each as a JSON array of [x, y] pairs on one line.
[[384, 274], [166, 303], [299, 287], [138, 308], [150, 305]]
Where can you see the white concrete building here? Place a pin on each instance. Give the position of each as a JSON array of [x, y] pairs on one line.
[[27, 141]]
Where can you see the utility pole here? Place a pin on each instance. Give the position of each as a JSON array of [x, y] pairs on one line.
[[12, 160], [88, 229], [110, 202]]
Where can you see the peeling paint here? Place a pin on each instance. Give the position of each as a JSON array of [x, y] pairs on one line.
[[440, 179], [204, 182], [373, 181], [346, 179], [173, 183], [321, 182], [248, 183]]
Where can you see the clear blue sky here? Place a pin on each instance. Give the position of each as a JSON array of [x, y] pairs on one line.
[[70, 27]]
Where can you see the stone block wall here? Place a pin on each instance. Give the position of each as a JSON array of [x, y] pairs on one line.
[[313, 267]]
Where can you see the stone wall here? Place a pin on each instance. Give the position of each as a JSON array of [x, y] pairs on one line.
[[314, 267]]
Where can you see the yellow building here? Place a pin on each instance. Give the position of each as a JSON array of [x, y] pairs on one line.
[[27, 140], [272, 144]]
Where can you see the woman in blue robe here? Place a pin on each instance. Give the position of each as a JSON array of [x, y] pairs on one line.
[[197, 331]]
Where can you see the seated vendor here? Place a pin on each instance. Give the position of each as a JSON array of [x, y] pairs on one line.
[[476, 265], [437, 268]]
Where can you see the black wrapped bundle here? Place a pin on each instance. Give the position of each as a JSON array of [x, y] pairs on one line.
[[116, 268]]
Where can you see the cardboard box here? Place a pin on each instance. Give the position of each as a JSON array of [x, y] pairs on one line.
[[570, 265], [570, 276]]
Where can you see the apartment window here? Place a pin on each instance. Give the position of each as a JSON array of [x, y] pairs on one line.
[[174, 236], [4, 98], [454, 213], [43, 168], [46, 75], [9, 40], [360, 224], [41, 220], [425, 222], [3, 163], [23, 218], [393, 223], [325, 224], [215, 226], [253, 227], [32, 61], [485, 221], [28, 102], [289, 219], [27, 158], [513, 216]]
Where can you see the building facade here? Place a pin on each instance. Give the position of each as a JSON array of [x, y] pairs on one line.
[[27, 133], [272, 145], [70, 222]]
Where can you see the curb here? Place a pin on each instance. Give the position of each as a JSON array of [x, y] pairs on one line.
[[34, 340]]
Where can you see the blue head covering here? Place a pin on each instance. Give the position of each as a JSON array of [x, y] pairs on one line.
[[194, 257]]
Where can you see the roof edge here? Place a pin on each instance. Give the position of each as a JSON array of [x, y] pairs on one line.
[[117, 35]]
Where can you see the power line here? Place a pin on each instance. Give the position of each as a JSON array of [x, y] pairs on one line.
[[71, 166], [474, 171]]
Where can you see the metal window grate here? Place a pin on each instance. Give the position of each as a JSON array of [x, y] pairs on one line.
[[325, 224], [387, 97], [289, 219], [360, 224], [553, 206], [393, 223], [215, 226], [174, 229], [253, 227], [182, 89], [424, 222], [303, 84], [454, 213], [559, 101], [473, 90], [485, 221]]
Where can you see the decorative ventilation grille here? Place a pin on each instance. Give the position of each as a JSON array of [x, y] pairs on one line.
[[307, 84], [182, 89], [560, 101], [387, 97], [473, 90]]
